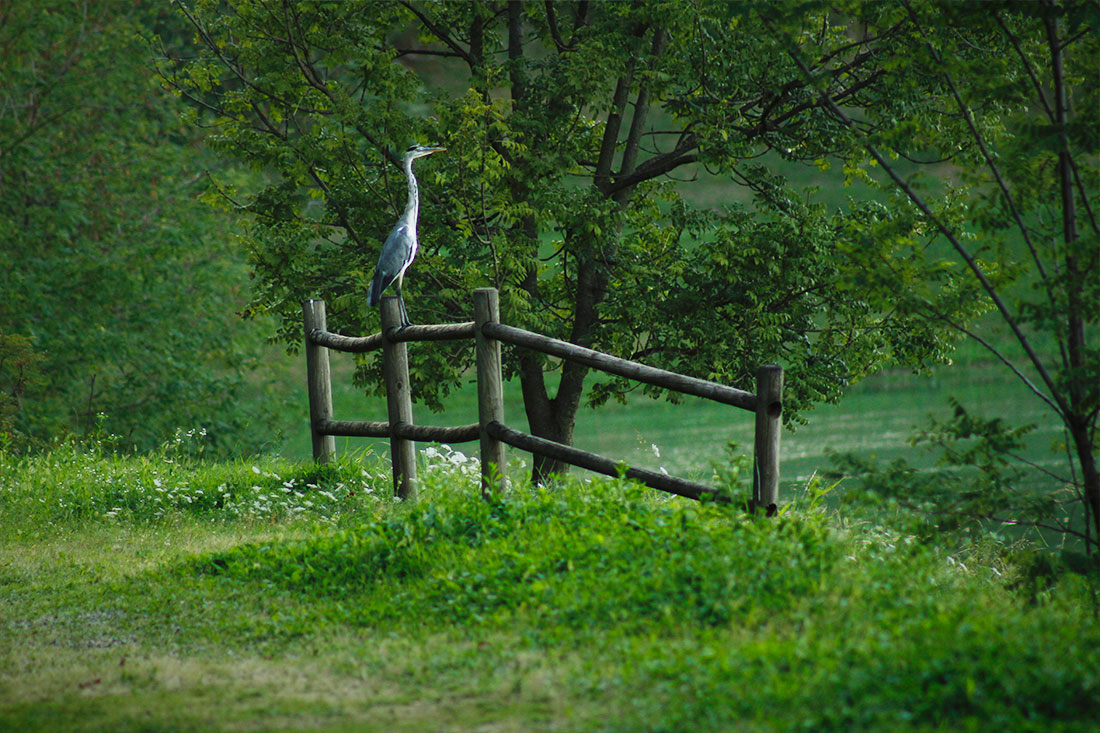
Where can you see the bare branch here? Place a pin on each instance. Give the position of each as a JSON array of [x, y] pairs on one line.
[[1002, 358], [610, 142], [641, 109], [1084, 196], [580, 20], [683, 153], [1062, 529], [423, 52]]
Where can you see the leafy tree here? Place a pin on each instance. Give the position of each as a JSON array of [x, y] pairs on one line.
[[566, 124], [116, 281], [988, 142]]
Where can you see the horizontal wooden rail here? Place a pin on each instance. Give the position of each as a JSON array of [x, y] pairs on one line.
[[347, 344], [599, 464], [488, 333], [437, 332], [621, 367], [354, 428], [408, 431], [363, 344]]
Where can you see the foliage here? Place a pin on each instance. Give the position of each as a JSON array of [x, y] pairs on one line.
[[563, 123], [597, 606], [976, 484], [117, 282], [989, 147]]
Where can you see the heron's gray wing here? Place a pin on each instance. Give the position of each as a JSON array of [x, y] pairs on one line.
[[392, 260]]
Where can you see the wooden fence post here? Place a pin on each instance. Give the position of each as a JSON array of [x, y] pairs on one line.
[[318, 381], [490, 393], [395, 373], [769, 407]]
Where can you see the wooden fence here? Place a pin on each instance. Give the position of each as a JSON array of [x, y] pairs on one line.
[[488, 333]]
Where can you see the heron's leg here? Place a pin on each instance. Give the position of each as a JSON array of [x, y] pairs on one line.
[[401, 302], [404, 314]]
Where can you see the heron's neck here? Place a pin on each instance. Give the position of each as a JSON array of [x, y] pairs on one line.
[[412, 209]]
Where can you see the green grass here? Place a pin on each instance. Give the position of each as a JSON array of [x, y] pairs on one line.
[[592, 606]]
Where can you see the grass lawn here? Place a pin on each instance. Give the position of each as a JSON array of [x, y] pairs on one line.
[[152, 593]]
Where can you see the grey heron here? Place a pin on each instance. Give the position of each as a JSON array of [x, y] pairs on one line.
[[399, 248]]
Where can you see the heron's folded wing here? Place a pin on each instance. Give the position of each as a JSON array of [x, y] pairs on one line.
[[391, 261]]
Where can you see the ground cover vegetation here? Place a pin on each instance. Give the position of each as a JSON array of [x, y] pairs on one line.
[[966, 125], [294, 596]]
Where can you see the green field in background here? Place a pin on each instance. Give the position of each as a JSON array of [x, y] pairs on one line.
[[876, 418]]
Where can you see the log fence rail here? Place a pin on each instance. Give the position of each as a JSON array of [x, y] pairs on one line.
[[490, 430]]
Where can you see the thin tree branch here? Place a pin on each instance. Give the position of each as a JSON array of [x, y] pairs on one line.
[[1049, 473], [610, 142], [552, 23], [968, 117], [683, 153], [441, 34], [1039, 91], [423, 52], [948, 234], [1084, 196], [641, 109], [1003, 359], [1040, 525], [580, 20]]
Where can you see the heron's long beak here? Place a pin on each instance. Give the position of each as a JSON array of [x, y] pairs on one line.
[[424, 150]]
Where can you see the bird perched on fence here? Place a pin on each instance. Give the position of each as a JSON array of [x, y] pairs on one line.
[[400, 247]]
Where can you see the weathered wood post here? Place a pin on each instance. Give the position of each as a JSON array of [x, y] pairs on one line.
[[490, 392], [318, 381], [395, 373], [769, 408]]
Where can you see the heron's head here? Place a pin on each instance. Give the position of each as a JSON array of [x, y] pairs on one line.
[[419, 151]]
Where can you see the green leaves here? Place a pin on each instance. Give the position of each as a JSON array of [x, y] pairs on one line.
[[550, 189], [985, 88], [113, 274], [564, 125]]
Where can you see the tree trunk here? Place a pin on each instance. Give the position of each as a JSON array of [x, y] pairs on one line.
[[1090, 479], [554, 417], [547, 418], [1077, 417]]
